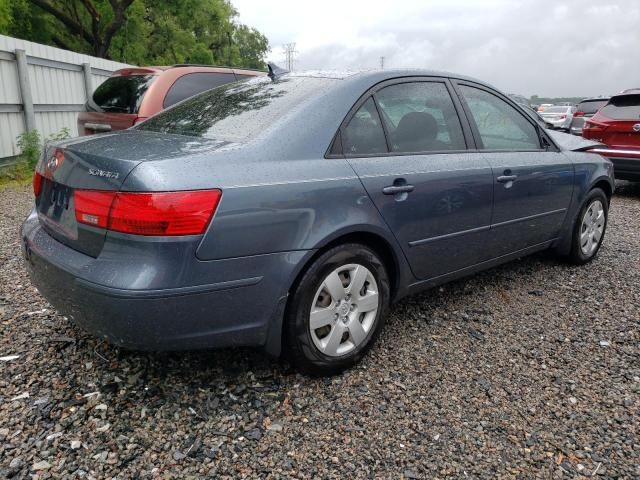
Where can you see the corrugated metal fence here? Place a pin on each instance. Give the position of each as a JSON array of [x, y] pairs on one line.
[[44, 88]]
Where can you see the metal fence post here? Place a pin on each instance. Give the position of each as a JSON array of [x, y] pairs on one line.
[[88, 88], [25, 89]]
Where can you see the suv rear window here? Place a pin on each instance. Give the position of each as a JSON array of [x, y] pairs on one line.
[[591, 106], [193, 83], [623, 107], [120, 94], [237, 112]]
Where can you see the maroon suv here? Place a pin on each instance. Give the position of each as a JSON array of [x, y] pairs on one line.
[[131, 95], [617, 125]]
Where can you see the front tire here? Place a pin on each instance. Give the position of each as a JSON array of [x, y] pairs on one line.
[[337, 310], [590, 227]]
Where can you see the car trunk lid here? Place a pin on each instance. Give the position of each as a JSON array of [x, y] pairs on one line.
[[97, 163]]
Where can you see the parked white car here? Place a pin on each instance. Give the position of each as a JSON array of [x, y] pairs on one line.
[[559, 116]]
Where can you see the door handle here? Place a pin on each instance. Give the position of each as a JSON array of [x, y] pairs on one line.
[[506, 178], [395, 189]]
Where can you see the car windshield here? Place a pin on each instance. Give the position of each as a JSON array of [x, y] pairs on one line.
[[623, 107], [120, 94], [239, 111], [556, 109], [592, 106]]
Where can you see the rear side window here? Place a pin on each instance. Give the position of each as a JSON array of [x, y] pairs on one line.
[[623, 107], [592, 106], [364, 134], [420, 117], [500, 125], [121, 94], [194, 83]]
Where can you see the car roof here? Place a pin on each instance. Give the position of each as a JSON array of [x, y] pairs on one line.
[[190, 68], [595, 99], [377, 76]]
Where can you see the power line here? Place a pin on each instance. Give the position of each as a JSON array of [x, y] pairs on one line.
[[289, 53]]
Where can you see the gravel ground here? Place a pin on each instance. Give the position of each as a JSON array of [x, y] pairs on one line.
[[528, 370]]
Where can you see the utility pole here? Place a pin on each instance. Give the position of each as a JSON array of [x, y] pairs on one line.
[[381, 63], [289, 53]]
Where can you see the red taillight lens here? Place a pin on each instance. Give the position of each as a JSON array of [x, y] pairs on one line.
[[93, 206], [37, 184], [578, 114], [148, 213], [593, 130], [562, 117]]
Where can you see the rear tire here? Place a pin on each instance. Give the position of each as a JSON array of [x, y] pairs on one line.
[[337, 310], [589, 228]]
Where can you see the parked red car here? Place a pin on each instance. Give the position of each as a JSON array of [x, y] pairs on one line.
[[131, 95], [617, 125]]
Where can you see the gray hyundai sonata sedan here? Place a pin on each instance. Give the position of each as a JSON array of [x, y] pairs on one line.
[[289, 211]]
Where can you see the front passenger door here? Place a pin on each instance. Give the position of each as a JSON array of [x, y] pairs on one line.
[[532, 185]]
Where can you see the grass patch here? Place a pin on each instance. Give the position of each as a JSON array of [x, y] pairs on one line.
[[17, 175]]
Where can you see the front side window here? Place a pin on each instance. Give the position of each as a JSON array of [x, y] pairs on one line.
[[501, 126], [364, 135], [420, 117]]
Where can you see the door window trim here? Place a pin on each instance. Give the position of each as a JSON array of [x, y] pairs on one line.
[[543, 138], [467, 133]]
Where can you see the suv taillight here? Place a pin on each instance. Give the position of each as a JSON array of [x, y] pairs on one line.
[[593, 130], [578, 114], [148, 213]]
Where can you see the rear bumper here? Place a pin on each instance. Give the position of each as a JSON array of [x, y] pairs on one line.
[[626, 163], [239, 306], [559, 124]]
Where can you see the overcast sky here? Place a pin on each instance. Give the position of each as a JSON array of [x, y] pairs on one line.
[[544, 47]]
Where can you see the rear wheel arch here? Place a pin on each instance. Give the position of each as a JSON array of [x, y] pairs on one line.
[[374, 241], [605, 186]]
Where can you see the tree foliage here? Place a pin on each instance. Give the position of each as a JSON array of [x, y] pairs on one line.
[[142, 32]]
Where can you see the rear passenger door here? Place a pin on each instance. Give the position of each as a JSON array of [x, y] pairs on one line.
[[407, 144], [533, 182]]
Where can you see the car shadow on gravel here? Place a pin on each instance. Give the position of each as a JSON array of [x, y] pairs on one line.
[[628, 189]]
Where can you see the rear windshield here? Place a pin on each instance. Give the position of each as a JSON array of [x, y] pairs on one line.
[[591, 106], [237, 112], [623, 107], [556, 109], [120, 94]]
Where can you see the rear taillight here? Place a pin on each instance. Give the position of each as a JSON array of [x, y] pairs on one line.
[[93, 206], [562, 117], [37, 184], [148, 213], [578, 114], [593, 130]]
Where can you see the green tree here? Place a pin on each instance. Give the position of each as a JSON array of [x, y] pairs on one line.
[[5, 16], [143, 32]]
